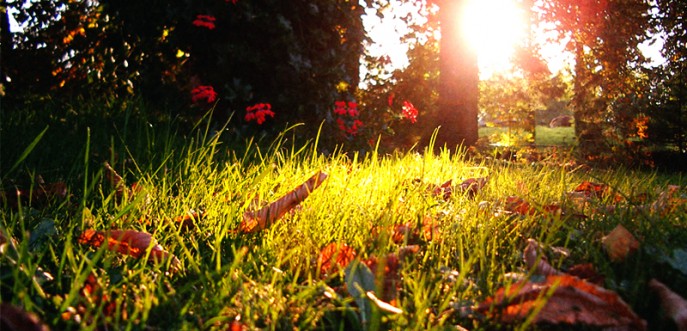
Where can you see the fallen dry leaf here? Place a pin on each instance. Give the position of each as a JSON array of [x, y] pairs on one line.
[[186, 220], [586, 271], [335, 257], [129, 242], [16, 319], [472, 186], [595, 190], [536, 260], [254, 221], [518, 205], [118, 183], [92, 293], [561, 299], [619, 243], [674, 305]]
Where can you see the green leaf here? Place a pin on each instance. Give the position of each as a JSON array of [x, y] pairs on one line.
[[360, 280], [678, 261]]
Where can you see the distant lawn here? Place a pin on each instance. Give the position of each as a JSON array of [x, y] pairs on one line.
[[545, 136]]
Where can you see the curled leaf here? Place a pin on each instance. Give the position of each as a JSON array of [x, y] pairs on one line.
[[254, 221], [128, 242], [535, 260], [674, 305]]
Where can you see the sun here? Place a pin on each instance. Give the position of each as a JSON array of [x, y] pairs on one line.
[[493, 28]]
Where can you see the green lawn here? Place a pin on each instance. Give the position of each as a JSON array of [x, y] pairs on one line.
[[544, 135], [76, 246]]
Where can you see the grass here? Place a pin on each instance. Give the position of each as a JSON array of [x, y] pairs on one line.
[[272, 279], [544, 135]]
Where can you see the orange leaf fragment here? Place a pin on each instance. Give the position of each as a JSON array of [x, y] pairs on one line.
[[335, 257], [128, 242], [674, 305], [254, 221], [619, 243], [595, 190], [185, 221], [118, 182], [519, 206], [572, 301]]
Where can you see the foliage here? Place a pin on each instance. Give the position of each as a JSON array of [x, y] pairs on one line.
[[608, 88], [669, 95], [289, 54]]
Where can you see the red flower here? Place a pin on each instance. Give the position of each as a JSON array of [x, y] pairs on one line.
[[340, 108], [258, 112], [390, 100], [409, 111], [205, 21], [232, 1], [347, 109], [203, 92]]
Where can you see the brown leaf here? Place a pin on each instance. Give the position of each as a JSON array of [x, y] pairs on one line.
[[535, 260], [595, 190], [472, 186], [118, 182], [334, 257], [16, 319], [186, 220], [128, 242], [586, 271], [619, 243], [93, 294], [674, 305], [519, 206], [254, 221], [561, 299], [444, 190]]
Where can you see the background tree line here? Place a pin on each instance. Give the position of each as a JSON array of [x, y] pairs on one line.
[[302, 57]]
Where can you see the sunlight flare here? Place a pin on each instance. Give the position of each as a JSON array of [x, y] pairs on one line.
[[493, 28]]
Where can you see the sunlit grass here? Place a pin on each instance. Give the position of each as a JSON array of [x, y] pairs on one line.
[[544, 136], [271, 279]]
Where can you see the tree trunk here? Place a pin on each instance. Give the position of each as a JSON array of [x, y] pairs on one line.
[[458, 81]]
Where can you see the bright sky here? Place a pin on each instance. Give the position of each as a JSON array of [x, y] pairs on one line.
[[494, 27]]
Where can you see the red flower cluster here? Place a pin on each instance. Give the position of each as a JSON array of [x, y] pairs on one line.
[[205, 21], [203, 92], [258, 112], [351, 111], [232, 1], [409, 111]]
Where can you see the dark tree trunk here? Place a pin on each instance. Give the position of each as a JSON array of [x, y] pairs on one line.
[[458, 81]]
